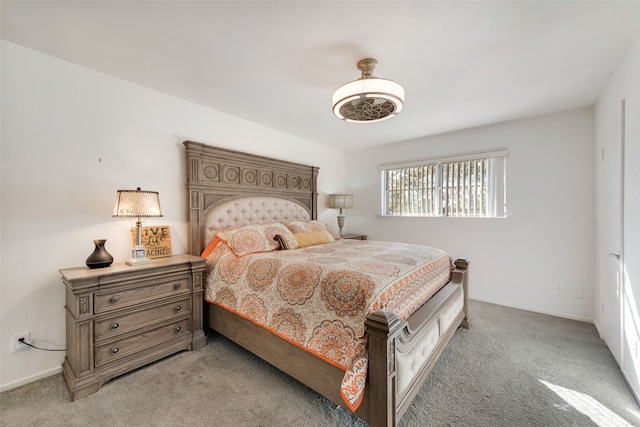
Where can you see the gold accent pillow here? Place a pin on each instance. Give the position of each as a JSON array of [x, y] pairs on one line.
[[311, 238]]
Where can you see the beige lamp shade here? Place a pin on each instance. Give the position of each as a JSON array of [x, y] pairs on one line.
[[341, 201], [137, 203]]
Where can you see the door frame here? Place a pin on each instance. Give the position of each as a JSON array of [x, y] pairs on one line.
[[604, 251]]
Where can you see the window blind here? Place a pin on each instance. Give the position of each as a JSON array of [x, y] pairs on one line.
[[468, 185]]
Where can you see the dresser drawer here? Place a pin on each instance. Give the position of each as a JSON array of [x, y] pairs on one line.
[[118, 349], [107, 327], [115, 299]]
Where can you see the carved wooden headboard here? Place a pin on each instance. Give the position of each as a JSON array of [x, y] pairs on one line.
[[216, 176]]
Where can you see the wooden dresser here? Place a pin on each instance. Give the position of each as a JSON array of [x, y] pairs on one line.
[[122, 317]]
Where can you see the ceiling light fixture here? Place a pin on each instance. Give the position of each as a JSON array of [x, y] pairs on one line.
[[368, 99]]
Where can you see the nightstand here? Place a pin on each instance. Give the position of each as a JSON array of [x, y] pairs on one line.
[[122, 317], [354, 236]]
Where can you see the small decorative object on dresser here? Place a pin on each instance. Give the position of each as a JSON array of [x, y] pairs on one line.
[[122, 317], [100, 258], [156, 240]]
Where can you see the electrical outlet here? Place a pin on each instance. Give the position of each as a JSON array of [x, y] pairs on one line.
[[559, 288], [17, 346]]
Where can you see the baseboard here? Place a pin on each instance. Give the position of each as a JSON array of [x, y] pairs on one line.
[[629, 384], [598, 328], [534, 310], [30, 379]]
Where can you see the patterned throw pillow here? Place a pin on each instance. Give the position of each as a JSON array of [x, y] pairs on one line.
[[285, 243], [210, 247], [313, 225], [255, 238]]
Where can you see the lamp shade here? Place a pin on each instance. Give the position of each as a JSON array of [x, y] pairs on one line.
[[137, 203], [368, 100], [341, 201]]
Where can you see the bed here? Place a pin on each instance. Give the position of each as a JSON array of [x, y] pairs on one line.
[[229, 190]]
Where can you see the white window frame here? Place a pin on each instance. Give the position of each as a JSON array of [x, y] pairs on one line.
[[496, 180]]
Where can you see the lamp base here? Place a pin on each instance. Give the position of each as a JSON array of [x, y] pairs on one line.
[[341, 222], [138, 256]]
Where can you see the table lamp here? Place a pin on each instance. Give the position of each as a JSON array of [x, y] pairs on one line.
[[341, 201], [137, 203]]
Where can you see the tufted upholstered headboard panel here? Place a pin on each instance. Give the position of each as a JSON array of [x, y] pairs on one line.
[[251, 210], [230, 188]]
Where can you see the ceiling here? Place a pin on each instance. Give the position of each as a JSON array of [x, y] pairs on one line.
[[277, 63]]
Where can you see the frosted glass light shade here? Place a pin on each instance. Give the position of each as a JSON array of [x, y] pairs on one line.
[[368, 100]]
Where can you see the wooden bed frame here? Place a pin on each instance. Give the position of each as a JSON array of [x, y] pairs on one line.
[[216, 176]]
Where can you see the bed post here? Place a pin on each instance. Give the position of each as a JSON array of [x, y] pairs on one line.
[[461, 275], [382, 329], [193, 177], [314, 192]]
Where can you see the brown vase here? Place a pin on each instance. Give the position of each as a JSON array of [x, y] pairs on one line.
[[100, 257]]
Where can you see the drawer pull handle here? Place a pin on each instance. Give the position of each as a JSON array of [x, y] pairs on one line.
[[177, 286], [178, 328], [115, 325], [114, 350], [178, 308], [114, 299]]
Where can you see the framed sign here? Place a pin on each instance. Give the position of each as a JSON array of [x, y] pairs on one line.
[[156, 240]]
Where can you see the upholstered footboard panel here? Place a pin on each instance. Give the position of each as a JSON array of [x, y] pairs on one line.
[[452, 312], [414, 355], [409, 361]]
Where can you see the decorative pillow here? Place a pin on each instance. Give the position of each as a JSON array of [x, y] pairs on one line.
[[313, 225], [255, 238], [311, 238], [210, 247], [308, 238], [286, 240], [286, 243]]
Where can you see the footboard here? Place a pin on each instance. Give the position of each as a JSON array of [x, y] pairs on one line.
[[402, 353]]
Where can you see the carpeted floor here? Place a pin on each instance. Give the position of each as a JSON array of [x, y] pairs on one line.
[[512, 368]]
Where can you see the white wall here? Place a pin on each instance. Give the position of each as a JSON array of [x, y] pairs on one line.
[[72, 137], [548, 237], [625, 84]]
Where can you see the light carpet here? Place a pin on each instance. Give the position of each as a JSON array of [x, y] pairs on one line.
[[512, 368]]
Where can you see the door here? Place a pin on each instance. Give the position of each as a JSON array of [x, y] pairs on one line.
[[612, 286]]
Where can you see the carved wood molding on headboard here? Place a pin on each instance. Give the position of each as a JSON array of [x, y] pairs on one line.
[[216, 175]]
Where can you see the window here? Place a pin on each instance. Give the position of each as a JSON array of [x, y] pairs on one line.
[[470, 185]]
